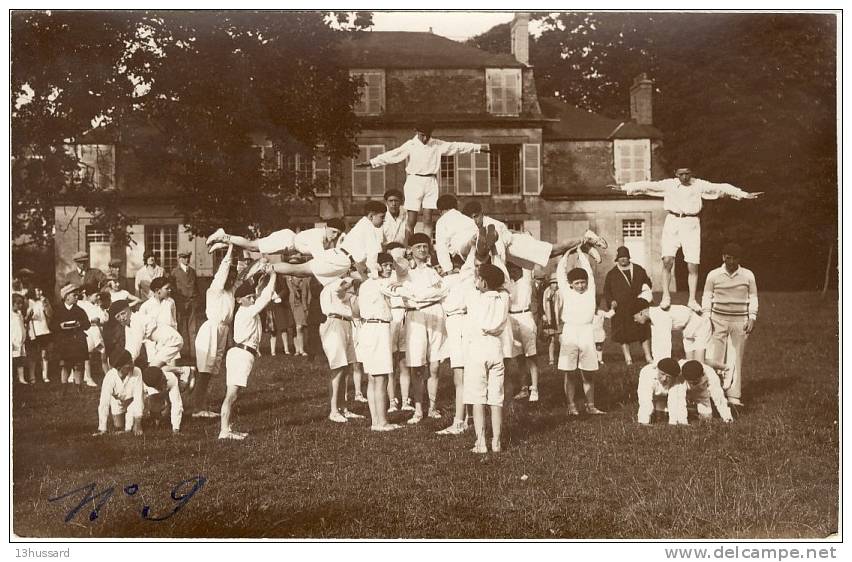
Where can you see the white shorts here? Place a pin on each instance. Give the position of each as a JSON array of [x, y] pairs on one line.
[[527, 252], [329, 266], [397, 330], [454, 344], [278, 241], [238, 366], [577, 349], [484, 373], [524, 334], [420, 192], [697, 334], [167, 345], [424, 335], [685, 233], [373, 348], [336, 337]]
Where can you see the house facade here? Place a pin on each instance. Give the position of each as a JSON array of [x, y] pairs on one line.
[[546, 173]]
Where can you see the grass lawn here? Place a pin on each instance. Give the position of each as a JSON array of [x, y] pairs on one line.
[[772, 473]]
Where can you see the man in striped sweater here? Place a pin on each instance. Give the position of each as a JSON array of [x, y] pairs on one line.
[[730, 298]]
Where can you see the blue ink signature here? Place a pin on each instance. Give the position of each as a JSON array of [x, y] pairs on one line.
[[100, 499]]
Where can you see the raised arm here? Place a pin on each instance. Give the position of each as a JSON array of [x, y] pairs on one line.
[[398, 154], [451, 148], [562, 275], [711, 190], [652, 188], [265, 296], [221, 275], [583, 259]]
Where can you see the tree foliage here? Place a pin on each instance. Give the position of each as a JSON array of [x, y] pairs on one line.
[[748, 99], [183, 94]]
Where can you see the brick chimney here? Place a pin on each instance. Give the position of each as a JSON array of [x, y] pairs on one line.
[[641, 100], [520, 35]]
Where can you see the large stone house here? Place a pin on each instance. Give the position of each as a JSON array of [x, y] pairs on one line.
[[547, 171]]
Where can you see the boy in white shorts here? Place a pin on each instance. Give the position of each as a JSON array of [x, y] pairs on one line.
[[239, 360], [337, 341], [488, 311], [397, 252], [423, 155], [458, 286], [172, 386], [373, 345], [683, 200], [524, 329], [424, 325], [578, 358]]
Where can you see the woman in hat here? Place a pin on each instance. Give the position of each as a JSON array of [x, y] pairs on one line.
[[69, 328], [277, 318], [624, 283], [146, 274], [212, 337]]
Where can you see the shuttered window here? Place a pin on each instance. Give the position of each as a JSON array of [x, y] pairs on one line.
[[632, 160], [503, 91]]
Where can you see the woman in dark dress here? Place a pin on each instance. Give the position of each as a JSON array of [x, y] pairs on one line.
[[623, 284], [278, 319], [69, 325]]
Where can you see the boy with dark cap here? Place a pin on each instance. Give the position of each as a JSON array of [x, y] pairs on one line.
[[122, 395], [423, 154], [701, 388], [163, 386], [654, 391], [239, 361], [578, 358], [373, 343], [487, 315]]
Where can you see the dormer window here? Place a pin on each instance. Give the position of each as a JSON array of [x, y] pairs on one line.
[[372, 100], [503, 91]]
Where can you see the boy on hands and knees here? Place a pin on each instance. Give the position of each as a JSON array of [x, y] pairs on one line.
[[164, 387], [337, 341], [577, 355], [488, 308], [122, 395], [703, 389], [240, 359], [374, 341], [423, 155], [654, 391]]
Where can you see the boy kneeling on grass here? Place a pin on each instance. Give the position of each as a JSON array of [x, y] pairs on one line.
[[484, 373], [167, 387], [240, 359], [122, 395]]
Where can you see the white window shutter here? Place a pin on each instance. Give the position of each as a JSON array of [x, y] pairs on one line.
[[532, 169], [464, 174], [321, 173], [489, 102], [481, 173], [377, 175]]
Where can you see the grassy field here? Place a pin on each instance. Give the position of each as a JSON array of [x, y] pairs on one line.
[[773, 473]]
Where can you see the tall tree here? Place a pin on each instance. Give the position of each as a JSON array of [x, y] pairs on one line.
[[183, 93], [748, 99]]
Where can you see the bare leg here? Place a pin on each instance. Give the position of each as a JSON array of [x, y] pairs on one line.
[[625, 349], [404, 381], [299, 341], [552, 348], [570, 388], [335, 387], [31, 368], [668, 265], [357, 377], [479, 426], [44, 376], [285, 341], [432, 386], [692, 281], [371, 401], [532, 364], [272, 338], [496, 428], [63, 374], [379, 400], [427, 222], [391, 388], [589, 387], [458, 381], [418, 389], [227, 407], [410, 223]]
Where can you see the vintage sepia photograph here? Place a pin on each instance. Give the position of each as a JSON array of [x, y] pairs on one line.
[[424, 275]]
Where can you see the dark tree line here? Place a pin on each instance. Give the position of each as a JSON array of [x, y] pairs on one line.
[[748, 99]]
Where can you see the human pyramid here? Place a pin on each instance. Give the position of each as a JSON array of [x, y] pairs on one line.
[[398, 304]]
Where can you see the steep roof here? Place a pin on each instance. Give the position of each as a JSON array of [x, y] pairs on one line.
[[578, 124], [408, 49]]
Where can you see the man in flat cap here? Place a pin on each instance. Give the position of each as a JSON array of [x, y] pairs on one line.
[[82, 275], [730, 298], [683, 200], [187, 300], [423, 163]]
